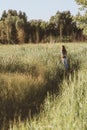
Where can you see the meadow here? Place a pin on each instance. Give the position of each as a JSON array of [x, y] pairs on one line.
[[36, 93]]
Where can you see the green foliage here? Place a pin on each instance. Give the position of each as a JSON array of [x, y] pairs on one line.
[[12, 21], [63, 22], [82, 3], [14, 28], [82, 19]]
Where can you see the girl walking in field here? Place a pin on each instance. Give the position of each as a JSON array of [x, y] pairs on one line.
[[64, 57]]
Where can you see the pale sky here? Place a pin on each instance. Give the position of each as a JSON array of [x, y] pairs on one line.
[[39, 9]]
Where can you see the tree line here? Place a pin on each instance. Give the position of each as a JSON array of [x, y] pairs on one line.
[[16, 29]]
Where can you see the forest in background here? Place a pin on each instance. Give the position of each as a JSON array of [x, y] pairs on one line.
[[16, 29]]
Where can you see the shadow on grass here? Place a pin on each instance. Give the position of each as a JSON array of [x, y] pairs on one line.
[[29, 101]]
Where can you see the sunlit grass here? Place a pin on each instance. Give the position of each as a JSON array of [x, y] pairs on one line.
[[67, 111], [29, 72]]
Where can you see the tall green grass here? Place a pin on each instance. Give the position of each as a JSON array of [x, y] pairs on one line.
[[26, 58], [68, 109], [28, 72]]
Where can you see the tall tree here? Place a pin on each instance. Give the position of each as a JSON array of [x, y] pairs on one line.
[[37, 33], [20, 30], [82, 3], [63, 21], [82, 18], [9, 23], [43, 26], [2, 31], [4, 15]]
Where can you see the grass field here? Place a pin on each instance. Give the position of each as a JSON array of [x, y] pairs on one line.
[[67, 111], [33, 80]]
